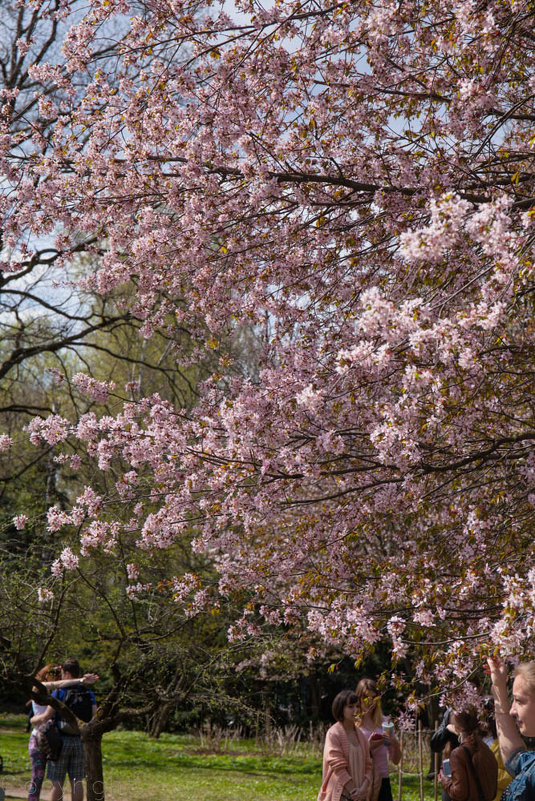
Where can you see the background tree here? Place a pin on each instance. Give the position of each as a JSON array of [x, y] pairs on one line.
[[154, 657]]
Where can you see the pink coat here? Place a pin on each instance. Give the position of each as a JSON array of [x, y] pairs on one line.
[[336, 762]]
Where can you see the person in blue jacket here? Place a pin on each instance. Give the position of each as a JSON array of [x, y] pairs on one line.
[[514, 721]]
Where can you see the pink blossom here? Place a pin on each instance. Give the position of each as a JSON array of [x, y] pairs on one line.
[[133, 591], [325, 218], [24, 45], [57, 568], [97, 390], [68, 559], [20, 522], [44, 595], [57, 518], [52, 430], [5, 442]]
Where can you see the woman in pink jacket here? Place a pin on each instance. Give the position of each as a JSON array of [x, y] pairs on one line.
[[347, 765]]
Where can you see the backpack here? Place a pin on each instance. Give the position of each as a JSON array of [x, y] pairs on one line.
[[79, 700], [480, 791], [48, 740]]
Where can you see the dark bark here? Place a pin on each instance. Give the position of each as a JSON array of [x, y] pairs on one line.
[[159, 720], [92, 734], [93, 767]]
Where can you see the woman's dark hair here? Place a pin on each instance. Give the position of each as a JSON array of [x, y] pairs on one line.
[[71, 666], [343, 698], [466, 721]]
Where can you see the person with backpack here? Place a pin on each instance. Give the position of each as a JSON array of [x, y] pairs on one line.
[[49, 677], [473, 766], [82, 703]]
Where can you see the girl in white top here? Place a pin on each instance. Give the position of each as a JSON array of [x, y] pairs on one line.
[[380, 735]]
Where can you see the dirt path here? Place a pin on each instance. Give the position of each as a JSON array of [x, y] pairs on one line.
[[22, 792]]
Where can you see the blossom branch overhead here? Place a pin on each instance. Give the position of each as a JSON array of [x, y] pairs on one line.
[[354, 183]]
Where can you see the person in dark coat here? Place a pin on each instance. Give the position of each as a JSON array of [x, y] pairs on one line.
[[474, 770], [443, 741]]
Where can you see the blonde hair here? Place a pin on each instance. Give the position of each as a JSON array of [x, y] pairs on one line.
[[527, 671], [364, 688]]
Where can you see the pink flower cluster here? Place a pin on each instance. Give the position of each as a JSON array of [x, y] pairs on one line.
[[97, 390], [336, 205]]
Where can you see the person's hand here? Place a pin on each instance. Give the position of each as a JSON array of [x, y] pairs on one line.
[[442, 778], [499, 675], [392, 739], [359, 793], [497, 669], [375, 740], [89, 678]]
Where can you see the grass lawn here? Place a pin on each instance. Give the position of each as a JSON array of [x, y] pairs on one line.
[[176, 768]]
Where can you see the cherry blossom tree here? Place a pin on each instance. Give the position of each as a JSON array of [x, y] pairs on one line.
[[48, 325], [353, 182]]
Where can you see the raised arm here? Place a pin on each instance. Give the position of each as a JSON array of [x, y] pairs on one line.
[[508, 735], [87, 679]]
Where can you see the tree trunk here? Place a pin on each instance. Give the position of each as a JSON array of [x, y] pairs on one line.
[[432, 717], [93, 765], [159, 720], [314, 696]]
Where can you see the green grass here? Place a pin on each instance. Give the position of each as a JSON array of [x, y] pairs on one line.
[[177, 768]]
